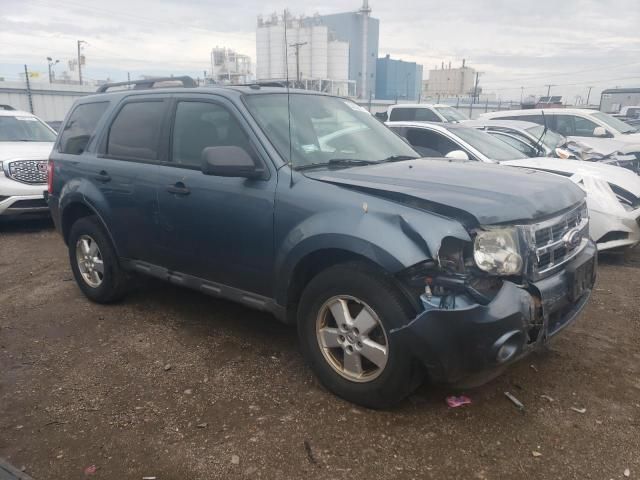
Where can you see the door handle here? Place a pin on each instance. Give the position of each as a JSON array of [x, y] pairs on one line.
[[102, 177], [178, 188]]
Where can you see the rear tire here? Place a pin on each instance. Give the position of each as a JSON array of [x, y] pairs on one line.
[[334, 304], [94, 262]]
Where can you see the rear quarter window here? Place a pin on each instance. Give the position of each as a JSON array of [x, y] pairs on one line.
[[80, 127], [402, 114]]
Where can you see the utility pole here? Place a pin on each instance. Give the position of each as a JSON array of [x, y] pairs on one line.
[[549, 85], [297, 47], [26, 77], [589, 95], [51, 65], [475, 94], [80, 42], [521, 95]]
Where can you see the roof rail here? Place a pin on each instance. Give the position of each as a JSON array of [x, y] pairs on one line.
[[256, 84], [6, 107], [186, 81]]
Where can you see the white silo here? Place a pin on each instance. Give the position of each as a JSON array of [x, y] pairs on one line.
[[276, 51], [338, 60], [319, 51], [263, 57]]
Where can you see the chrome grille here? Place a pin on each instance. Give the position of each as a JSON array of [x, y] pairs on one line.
[[556, 241], [28, 171]]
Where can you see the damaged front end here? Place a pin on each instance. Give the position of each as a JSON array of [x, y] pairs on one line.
[[488, 302]]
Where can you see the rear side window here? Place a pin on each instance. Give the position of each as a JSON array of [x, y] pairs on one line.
[[135, 132], [80, 127], [402, 114], [426, 115], [525, 118]]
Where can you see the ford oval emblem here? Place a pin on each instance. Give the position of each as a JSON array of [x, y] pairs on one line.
[[572, 238]]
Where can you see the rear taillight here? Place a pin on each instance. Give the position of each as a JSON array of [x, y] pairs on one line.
[[50, 177]]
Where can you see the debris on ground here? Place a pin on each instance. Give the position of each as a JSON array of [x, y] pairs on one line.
[[536, 453], [167, 367], [149, 478], [202, 425], [579, 410], [235, 459], [455, 402], [534, 368], [627, 473], [188, 391], [90, 470], [307, 447], [519, 405], [547, 397]]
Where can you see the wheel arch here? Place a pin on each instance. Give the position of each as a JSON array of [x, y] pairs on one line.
[[75, 210]]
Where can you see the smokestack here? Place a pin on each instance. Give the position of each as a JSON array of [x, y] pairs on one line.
[[463, 62], [442, 66], [449, 65]]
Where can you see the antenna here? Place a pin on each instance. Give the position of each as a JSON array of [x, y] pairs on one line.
[[286, 66], [544, 131]]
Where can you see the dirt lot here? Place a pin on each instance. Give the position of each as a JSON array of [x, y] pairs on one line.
[[177, 385]]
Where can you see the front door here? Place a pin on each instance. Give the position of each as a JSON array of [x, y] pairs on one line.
[[215, 228]]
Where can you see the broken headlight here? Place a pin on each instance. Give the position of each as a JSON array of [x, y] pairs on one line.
[[497, 251]]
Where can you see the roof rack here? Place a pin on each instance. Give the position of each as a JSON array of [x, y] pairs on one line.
[[6, 107], [258, 84], [186, 81]]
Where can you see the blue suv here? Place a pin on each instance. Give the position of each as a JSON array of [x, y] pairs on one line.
[[301, 204]]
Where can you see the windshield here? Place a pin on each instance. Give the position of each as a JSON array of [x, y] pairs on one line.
[[614, 123], [490, 147], [551, 139], [451, 114], [324, 128], [24, 129]]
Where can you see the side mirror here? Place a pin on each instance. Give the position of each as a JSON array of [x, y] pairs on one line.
[[457, 155], [600, 132], [229, 162]]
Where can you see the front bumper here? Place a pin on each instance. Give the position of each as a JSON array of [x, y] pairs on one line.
[[458, 344], [617, 230], [18, 198]]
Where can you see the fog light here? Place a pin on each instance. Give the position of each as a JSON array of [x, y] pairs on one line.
[[507, 346]]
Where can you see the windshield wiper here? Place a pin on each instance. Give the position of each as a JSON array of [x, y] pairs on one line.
[[337, 162], [398, 158]]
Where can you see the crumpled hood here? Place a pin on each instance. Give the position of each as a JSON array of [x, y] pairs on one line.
[[492, 194], [606, 146], [609, 173], [25, 150]]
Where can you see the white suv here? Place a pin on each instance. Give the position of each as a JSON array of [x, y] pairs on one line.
[[25, 144], [424, 112]]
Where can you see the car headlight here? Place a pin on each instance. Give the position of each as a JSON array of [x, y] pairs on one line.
[[496, 251]]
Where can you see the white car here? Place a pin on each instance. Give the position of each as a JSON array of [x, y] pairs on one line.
[[25, 144], [425, 112], [579, 124], [613, 193]]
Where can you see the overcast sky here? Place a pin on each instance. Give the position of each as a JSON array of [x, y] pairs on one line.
[[572, 43]]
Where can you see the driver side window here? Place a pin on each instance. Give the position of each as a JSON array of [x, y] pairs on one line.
[[199, 125]]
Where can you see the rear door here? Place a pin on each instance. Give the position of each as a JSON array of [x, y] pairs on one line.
[[215, 228], [126, 172]]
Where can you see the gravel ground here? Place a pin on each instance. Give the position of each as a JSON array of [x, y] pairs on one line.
[[173, 384]]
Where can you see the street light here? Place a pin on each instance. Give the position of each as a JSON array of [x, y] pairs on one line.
[[51, 63]]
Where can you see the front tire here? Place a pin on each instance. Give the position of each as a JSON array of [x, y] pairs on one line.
[[345, 316], [94, 262]]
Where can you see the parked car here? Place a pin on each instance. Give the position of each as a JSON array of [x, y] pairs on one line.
[[424, 112], [533, 140], [578, 123], [25, 144], [613, 193], [390, 266]]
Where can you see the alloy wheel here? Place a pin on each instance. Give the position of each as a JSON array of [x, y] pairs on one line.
[[89, 260], [352, 338]]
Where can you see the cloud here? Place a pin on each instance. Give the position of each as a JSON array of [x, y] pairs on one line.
[[513, 43]]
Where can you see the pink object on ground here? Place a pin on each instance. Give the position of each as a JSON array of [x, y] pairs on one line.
[[455, 402]]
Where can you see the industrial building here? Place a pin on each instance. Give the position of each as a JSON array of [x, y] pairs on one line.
[[398, 80], [450, 82], [228, 66], [361, 32], [305, 52]]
